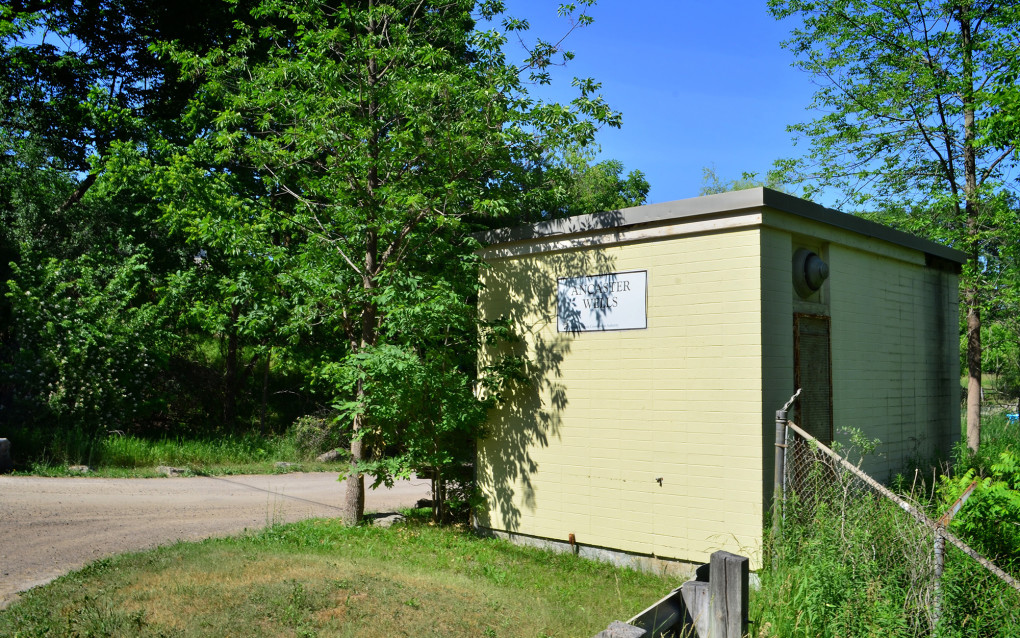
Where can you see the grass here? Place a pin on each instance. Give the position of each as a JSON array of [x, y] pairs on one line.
[[319, 578], [849, 564], [997, 436], [119, 456]]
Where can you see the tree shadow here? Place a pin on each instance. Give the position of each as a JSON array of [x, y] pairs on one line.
[[520, 285]]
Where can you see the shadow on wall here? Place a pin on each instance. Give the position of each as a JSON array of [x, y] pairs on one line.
[[529, 411]]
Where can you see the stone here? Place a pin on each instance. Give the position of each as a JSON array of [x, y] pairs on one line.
[[326, 457], [283, 465], [79, 469], [619, 629], [166, 470], [387, 521], [6, 463]]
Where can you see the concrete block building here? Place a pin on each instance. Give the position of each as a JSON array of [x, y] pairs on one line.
[[662, 339]]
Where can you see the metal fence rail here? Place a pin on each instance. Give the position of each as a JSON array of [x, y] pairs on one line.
[[947, 584]]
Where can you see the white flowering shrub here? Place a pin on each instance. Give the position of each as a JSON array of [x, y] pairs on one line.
[[84, 341]]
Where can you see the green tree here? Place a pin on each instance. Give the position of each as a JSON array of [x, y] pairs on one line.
[[87, 350], [376, 131], [568, 181], [1001, 321], [78, 81], [713, 184], [78, 76], [88, 112], [915, 124]]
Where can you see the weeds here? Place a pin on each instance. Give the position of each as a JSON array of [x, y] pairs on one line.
[[847, 562], [116, 454]]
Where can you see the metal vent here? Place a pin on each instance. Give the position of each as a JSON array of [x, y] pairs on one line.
[[809, 272]]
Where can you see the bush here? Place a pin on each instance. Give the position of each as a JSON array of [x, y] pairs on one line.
[[84, 347], [314, 434]]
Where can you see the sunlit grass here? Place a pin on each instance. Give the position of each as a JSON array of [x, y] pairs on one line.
[[321, 578]]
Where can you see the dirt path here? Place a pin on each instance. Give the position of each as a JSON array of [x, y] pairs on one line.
[[50, 526]]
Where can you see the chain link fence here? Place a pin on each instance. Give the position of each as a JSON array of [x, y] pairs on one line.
[[891, 542]]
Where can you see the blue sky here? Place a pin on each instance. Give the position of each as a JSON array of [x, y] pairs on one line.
[[699, 83]]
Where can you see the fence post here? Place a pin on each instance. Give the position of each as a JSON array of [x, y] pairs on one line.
[[779, 487], [727, 595], [778, 491], [940, 566]]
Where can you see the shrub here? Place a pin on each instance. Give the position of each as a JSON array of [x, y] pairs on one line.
[[317, 433], [84, 344]]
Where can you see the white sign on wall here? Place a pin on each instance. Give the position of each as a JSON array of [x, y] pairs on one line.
[[613, 301]]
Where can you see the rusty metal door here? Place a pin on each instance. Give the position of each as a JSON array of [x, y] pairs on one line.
[[812, 373]]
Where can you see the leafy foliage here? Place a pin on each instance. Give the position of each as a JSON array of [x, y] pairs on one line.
[[278, 197], [85, 349], [915, 124], [352, 182], [712, 183]]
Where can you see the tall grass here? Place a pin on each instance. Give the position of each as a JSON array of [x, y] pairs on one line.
[[842, 569], [847, 562], [49, 451]]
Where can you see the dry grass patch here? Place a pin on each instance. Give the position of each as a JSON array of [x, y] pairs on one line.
[[318, 578]]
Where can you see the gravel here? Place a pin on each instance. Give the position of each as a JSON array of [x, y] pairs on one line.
[[50, 526]]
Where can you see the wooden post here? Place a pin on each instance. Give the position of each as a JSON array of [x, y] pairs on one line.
[[728, 595], [695, 595]]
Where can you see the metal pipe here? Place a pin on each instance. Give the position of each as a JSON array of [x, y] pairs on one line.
[[940, 566], [779, 485], [778, 491], [940, 549]]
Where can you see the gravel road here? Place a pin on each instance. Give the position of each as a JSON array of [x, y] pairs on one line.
[[50, 526]]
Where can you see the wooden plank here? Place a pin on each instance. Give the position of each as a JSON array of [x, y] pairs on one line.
[[619, 629], [667, 614], [728, 595], [695, 595]]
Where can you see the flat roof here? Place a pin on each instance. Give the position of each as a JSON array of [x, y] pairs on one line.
[[715, 205]]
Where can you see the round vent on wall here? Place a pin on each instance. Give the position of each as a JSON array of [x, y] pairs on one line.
[[809, 272]]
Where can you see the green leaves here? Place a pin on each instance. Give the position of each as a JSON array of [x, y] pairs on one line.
[[990, 519], [289, 179], [895, 87], [916, 121], [87, 346]]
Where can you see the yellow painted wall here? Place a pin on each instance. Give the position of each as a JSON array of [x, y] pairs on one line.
[[894, 340], [579, 449], [692, 398], [777, 339], [895, 363]]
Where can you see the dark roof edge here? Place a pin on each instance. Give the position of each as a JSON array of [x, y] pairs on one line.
[[802, 208], [731, 202]]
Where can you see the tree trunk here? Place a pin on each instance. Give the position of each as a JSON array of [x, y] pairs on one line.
[[353, 508], [230, 374], [265, 392], [973, 369], [972, 296]]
